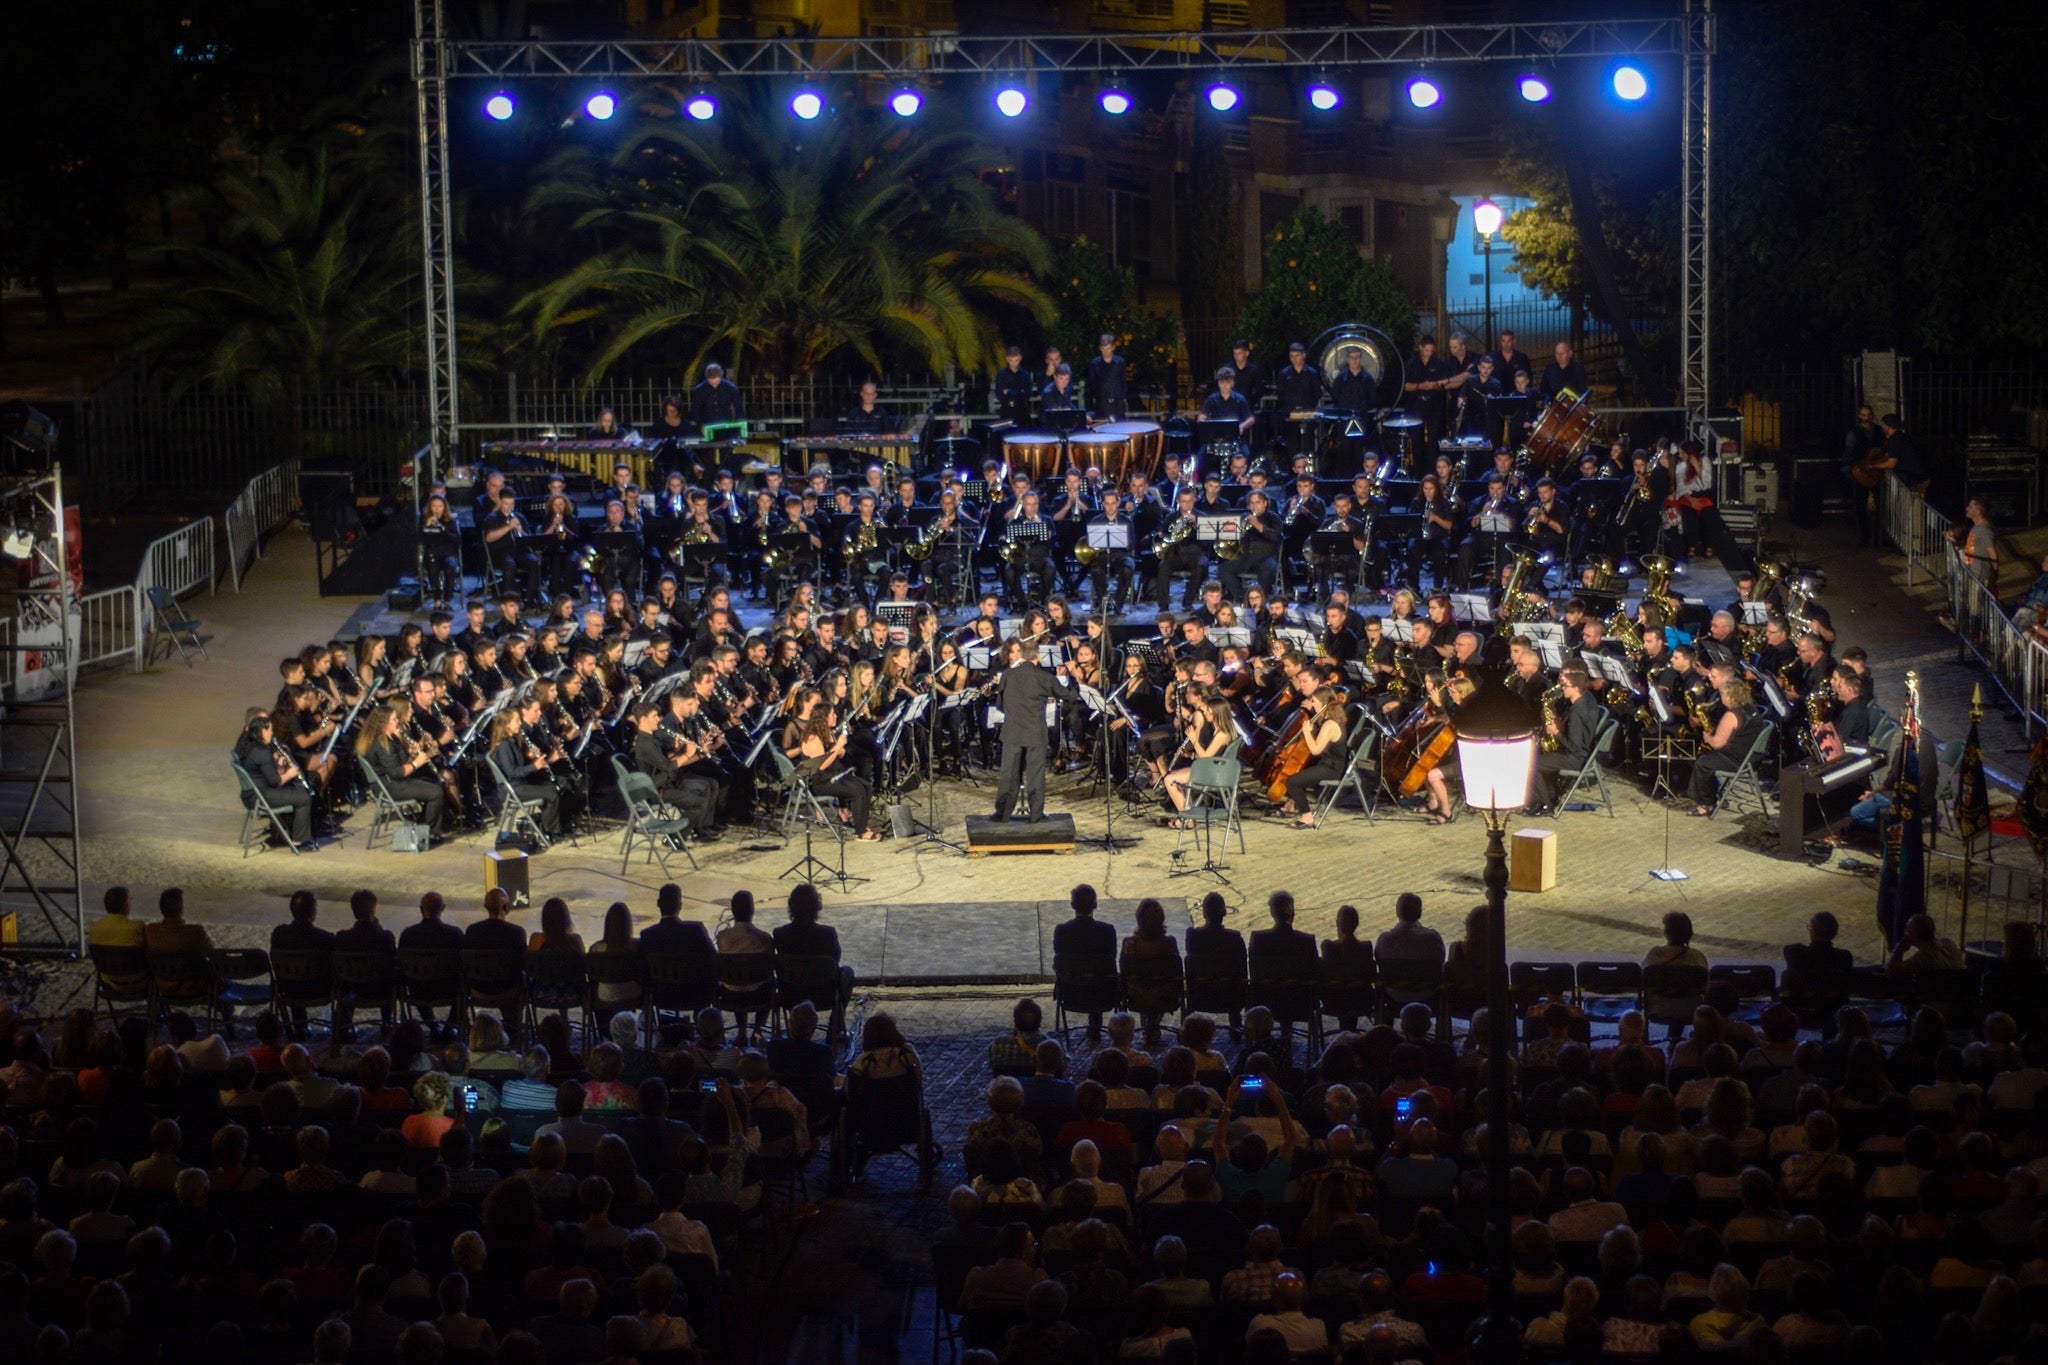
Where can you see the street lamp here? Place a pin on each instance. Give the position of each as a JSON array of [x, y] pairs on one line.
[[1486, 216], [1496, 733]]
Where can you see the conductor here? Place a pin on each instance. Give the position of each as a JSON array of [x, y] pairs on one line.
[[1022, 692]]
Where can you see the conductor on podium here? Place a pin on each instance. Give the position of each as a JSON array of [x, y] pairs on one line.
[[1022, 692]]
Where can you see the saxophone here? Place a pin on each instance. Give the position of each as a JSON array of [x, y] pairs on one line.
[[1553, 707]]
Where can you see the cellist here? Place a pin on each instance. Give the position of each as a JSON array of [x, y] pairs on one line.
[[1322, 739], [1416, 753]]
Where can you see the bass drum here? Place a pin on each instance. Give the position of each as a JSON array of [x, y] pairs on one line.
[[1036, 453], [1147, 448], [1563, 430]]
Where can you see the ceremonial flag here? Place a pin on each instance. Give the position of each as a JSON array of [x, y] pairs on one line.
[[1973, 804], [1902, 878], [2033, 810]]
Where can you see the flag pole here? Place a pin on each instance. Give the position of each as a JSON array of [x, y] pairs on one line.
[[1969, 835]]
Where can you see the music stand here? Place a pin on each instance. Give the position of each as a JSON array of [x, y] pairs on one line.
[[1548, 639], [1399, 629], [1754, 613], [1474, 607], [1106, 710]]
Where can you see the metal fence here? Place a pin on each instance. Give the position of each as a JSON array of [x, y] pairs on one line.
[[270, 500], [1972, 900], [2016, 662]]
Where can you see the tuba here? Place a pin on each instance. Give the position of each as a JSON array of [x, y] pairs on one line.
[[1603, 573], [1514, 601], [1659, 569]]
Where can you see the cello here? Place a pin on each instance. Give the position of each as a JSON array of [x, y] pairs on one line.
[[1420, 744]]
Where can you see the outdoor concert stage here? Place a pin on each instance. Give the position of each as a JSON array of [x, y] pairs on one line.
[[159, 809]]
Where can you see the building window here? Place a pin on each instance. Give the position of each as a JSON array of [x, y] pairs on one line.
[[1352, 218], [1130, 230]]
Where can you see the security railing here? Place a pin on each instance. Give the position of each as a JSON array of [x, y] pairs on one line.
[[109, 631], [2016, 662], [270, 500]]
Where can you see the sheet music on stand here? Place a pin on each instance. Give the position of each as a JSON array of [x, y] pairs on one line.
[[1608, 667], [1214, 529], [663, 687], [976, 490], [1039, 530], [1774, 695], [1548, 639], [1226, 637], [636, 650], [1108, 536], [1355, 669], [977, 657], [1051, 656], [1097, 704], [1754, 613], [1659, 707], [1303, 641], [1475, 607], [1401, 630]]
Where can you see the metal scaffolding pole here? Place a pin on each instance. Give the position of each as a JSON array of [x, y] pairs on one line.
[[39, 840], [430, 56], [1695, 302]]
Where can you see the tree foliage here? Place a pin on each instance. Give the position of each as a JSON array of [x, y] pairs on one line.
[[852, 243], [1314, 278], [1091, 296]]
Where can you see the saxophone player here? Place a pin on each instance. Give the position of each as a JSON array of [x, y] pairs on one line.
[[1576, 733]]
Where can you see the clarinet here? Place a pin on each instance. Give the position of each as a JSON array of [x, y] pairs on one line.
[[284, 760]]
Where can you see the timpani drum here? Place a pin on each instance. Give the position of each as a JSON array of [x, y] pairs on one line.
[[1148, 445], [1036, 453], [1103, 450], [1561, 433]]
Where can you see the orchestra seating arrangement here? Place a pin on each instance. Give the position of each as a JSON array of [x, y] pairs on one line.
[[1712, 1161]]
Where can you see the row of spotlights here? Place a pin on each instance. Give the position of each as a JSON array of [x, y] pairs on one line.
[[1630, 84]]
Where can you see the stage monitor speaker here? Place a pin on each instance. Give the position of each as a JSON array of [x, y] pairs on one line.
[[329, 497], [505, 869], [407, 837], [902, 821]]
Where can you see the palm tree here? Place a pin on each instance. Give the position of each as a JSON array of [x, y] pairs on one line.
[[307, 282], [849, 242]]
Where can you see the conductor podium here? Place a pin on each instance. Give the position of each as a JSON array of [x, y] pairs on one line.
[[1054, 834]]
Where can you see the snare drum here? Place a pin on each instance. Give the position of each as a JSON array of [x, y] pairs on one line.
[[1103, 450], [1036, 453], [1148, 444]]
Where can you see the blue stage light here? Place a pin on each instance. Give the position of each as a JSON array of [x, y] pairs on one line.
[[701, 107], [1114, 101], [499, 106], [601, 106], [1630, 83], [1534, 88], [905, 103], [1322, 95], [807, 104], [1011, 101], [1424, 94], [1223, 98]]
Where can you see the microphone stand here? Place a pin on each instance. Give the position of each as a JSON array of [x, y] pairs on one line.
[[1108, 841], [930, 823]]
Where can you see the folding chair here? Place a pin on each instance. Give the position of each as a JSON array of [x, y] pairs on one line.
[[365, 978], [387, 809], [1592, 771], [1292, 988], [120, 976], [650, 819], [515, 816], [799, 803], [1671, 993], [1361, 779], [181, 981], [557, 981], [429, 978], [174, 625], [1153, 984], [241, 981], [495, 978], [1405, 981], [1608, 990], [301, 979], [1529, 982], [680, 983], [255, 810], [801, 977], [1085, 983], [1745, 776], [1756, 985], [746, 983], [1212, 791]]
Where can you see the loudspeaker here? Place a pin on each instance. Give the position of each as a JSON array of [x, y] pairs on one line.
[[902, 822], [407, 837], [406, 596], [505, 870]]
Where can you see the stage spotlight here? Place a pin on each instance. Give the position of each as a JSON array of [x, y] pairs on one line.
[[601, 106], [499, 106], [1423, 93], [701, 107], [1630, 83], [807, 104], [906, 102], [1223, 98], [19, 544], [1114, 101], [1322, 95], [1011, 101], [1534, 88]]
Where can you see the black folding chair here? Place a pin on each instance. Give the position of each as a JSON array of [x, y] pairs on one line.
[[120, 976]]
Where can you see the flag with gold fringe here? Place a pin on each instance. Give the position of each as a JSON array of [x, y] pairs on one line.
[[1902, 876], [1973, 803]]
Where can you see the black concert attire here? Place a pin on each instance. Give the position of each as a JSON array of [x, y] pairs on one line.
[[1643, 517], [1852, 723], [1499, 520], [1561, 379], [1034, 565], [1472, 402], [1297, 391], [1258, 555], [558, 554], [1724, 760], [1430, 404], [1356, 393], [1053, 399], [868, 570], [1221, 408], [1183, 556], [510, 553], [860, 421], [688, 793], [1911, 470], [1251, 382], [837, 780], [1581, 734], [1070, 514], [441, 558], [387, 759], [1022, 691], [1108, 388], [1546, 539], [714, 403], [1431, 540], [1340, 570], [1013, 391], [519, 759], [1327, 766], [1506, 363], [1109, 577], [261, 762]]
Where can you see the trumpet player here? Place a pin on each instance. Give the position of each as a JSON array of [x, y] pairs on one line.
[[504, 535], [1258, 547], [1549, 522], [1109, 571]]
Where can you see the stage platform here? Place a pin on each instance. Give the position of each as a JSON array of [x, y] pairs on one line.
[[159, 809]]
